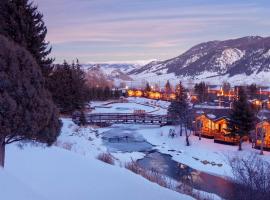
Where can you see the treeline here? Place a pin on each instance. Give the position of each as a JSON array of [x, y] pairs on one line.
[[201, 90], [71, 90], [32, 89], [68, 88], [103, 94]]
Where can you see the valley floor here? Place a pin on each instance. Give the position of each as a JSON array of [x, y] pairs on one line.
[[69, 170]]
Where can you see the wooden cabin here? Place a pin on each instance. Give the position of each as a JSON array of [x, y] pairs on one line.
[[138, 93], [135, 93], [264, 91], [214, 127], [214, 89], [131, 93], [154, 95], [266, 104], [257, 103], [222, 135], [205, 126], [263, 127], [172, 96]]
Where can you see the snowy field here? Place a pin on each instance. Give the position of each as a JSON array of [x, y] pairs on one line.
[[150, 106], [69, 170]]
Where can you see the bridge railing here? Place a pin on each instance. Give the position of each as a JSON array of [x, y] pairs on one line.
[[124, 118]]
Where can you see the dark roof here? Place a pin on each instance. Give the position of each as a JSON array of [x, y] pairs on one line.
[[213, 114], [264, 114], [214, 87]]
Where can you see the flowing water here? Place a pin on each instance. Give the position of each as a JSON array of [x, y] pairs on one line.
[[126, 139]]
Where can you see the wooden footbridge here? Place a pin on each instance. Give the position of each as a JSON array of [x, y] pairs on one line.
[[124, 118]]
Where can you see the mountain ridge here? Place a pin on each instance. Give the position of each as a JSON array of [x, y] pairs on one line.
[[242, 56]]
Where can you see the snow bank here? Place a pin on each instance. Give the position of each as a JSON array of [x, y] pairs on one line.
[[13, 189], [59, 174], [199, 151], [71, 171]]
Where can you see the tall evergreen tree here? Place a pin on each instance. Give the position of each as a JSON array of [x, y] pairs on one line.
[[21, 21], [201, 91], [226, 87], [68, 87], [168, 87], [107, 93], [147, 87], [242, 117], [117, 93], [252, 91], [27, 111], [178, 109]]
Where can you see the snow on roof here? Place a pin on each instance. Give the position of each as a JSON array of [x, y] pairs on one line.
[[214, 87], [199, 112], [211, 116]]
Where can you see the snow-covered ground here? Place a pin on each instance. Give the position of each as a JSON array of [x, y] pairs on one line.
[[150, 106], [198, 154], [199, 151], [122, 108], [260, 78], [69, 170]]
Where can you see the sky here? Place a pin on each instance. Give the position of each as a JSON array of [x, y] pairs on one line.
[[143, 30]]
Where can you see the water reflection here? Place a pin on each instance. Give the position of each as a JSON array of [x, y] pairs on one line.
[[123, 139], [164, 164], [126, 139]]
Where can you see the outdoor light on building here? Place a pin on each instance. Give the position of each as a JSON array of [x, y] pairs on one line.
[[157, 95], [130, 93], [172, 96], [138, 93]]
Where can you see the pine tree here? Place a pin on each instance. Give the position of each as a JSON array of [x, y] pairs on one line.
[[201, 91], [93, 93], [21, 22], [82, 119], [253, 91], [116, 93], [242, 117], [178, 108], [68, 87], [168, 88], [147, 87], [27, 111], [107, 93], [226, 87]]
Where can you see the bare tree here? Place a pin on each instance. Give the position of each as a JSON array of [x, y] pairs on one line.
[[251, 178], [187, 119], [261, 134]]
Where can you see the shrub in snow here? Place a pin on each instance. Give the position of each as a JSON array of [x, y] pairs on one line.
[[251, 178], [106, 157], [151, 175]]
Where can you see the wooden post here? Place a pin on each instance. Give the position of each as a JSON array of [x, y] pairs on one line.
[[262, 139], [2, 152]]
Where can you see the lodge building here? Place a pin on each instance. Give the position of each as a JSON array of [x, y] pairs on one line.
[[212, 124], [263, 128]]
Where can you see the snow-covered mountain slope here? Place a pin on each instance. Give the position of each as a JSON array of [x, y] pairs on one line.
[[108, 68], [243, 60]]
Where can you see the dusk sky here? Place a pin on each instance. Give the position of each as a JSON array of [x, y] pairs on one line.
[[131, 30]]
